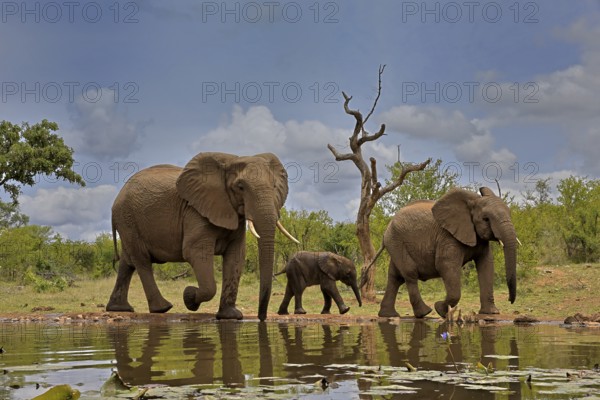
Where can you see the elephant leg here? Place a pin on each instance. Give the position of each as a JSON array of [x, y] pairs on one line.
[[298, 302], [420, 309], [298, 285], [156, 302], [201, 258], [388, 304], [326, 302], [485, 276], [387, 308], [451, 277], [283, 308], [233, 262], [118, 299], [332, 290]]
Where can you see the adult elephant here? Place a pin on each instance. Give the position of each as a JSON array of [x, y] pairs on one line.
[[429, 239], [167, 213]]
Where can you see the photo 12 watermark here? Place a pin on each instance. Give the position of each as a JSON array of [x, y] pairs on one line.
[[53, 12], [69, 91], [470, 91], [453, 12], [269, 92], [253, 12], [94, 172]]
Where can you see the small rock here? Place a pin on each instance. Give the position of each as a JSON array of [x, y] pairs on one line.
[[42, 308], [525, 319], [82, 304]]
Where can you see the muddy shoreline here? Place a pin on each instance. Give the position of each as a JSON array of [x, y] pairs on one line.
[[127, 317]]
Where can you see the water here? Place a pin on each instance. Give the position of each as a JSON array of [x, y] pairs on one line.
[[289, 360]]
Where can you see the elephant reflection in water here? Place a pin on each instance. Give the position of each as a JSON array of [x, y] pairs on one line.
[[315, 346], [201, 345]]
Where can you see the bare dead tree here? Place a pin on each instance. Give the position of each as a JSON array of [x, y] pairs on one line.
[[371, 189]]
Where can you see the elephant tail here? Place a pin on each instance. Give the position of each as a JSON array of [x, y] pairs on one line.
[[114, 234], [280, 272], [363, 277]]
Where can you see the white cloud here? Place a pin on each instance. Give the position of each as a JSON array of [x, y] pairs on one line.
[[256, 131], [101, 129], [566, 99], [317, 181], [469, 139], [75, 213]]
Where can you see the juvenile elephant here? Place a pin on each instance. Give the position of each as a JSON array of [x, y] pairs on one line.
[[307, 268], [429, 239], [167, 213]]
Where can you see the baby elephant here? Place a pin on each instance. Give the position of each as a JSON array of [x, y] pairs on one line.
[[313, 268]]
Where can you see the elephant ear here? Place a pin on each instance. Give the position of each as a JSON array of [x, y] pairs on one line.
[[486, 191], [202, 184], [328, 265], [280, 178], [453, 212]]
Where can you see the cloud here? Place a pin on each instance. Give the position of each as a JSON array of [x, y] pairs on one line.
[[470, 140], [566, 99], [75, 213], [102, 129], [316, 180]]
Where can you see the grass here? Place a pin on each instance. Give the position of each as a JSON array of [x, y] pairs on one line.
[[553, 292]]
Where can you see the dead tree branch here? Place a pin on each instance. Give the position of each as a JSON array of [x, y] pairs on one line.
[[371, 188]]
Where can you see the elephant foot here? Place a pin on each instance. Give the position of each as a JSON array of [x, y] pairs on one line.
[[162, 307], [491, 309], [324, 311], [299, 311], [229, 312], [422, 311], [441, 307], [282, 312], [388, 313], [112, 306], [344, 309], [189, 298]]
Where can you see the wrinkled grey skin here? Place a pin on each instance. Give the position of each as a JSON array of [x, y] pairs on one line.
[[307, 268], [429, 239], [171, 214]]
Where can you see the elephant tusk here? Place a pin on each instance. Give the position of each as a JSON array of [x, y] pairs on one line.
[[286, 233], [252, 229], [518, 241], [501, 244]]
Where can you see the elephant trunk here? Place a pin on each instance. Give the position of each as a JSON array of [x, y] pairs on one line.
[[508, 236], [266, 258], [265, 219], [356, 291]]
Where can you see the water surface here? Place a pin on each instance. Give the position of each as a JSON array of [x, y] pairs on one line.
[[290, 360]]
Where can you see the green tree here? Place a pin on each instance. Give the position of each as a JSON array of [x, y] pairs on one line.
[[21, 248], [342, 240], [28, 150], [11, 217], [580, 201], [429, 184], [540, 194]]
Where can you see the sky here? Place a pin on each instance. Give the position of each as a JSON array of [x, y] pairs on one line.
[[496, 90]]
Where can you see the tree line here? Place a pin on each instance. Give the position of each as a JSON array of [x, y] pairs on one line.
[[553, 229]]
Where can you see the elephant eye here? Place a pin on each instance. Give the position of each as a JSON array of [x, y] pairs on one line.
[[240, 186]]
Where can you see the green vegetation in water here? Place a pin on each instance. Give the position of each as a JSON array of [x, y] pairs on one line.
[[380, 381]]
